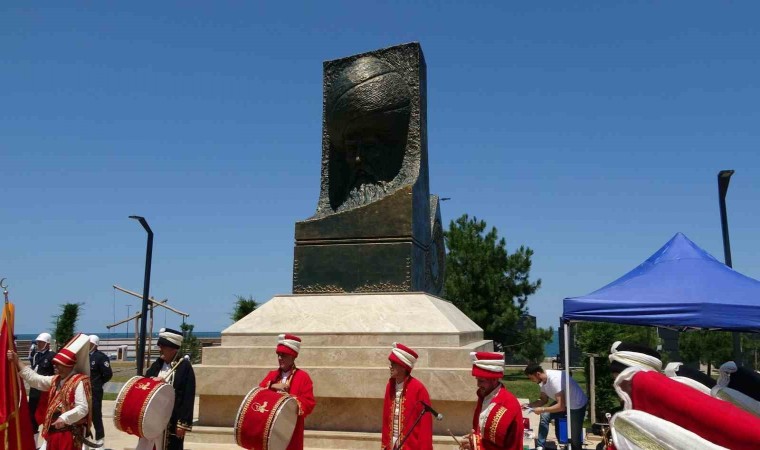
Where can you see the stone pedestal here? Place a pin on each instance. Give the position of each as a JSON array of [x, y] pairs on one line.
[[346, 342]]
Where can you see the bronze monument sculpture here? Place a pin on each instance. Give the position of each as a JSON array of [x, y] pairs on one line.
[[367, 272], [376, 227]]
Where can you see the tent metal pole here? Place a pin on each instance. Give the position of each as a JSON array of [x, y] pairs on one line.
[[592, 385], [568, 391]]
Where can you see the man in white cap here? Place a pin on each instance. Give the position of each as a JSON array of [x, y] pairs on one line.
[[42, 364], [296, 382], [100, 374], [67, 418], [177, 371]]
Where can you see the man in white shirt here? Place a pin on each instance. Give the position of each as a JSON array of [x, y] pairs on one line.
[[552, 383]]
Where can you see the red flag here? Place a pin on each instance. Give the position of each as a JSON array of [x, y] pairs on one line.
[[15, 426]]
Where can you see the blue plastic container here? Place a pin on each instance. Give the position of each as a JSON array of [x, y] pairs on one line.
[[561, 424]]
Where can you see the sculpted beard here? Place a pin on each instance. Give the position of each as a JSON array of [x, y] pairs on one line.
[[365, 193]]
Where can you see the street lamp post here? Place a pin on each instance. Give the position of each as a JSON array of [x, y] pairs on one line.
[[127, 323], [724, 177], [146, 291]]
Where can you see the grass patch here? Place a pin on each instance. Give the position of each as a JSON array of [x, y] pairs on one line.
[[519, 385], [122, 371], [109, 396]]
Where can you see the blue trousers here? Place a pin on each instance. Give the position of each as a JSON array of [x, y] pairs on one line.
[[576, 423]]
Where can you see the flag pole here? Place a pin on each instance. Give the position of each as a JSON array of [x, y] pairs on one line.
[[14, 369]]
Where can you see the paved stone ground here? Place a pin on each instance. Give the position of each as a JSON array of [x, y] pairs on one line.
[[117, 440]]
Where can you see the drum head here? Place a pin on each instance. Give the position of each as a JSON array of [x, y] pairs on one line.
[[158, 411], [283, 424], [144, 407], [266, 420]]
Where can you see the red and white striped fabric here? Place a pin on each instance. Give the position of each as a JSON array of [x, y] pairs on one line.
[[487, 364], [403, 355], [75, 354], [714, 420], [289, 344]]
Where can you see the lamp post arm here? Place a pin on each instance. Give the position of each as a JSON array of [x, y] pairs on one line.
[[146, 294]]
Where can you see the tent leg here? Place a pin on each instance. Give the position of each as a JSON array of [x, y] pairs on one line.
[[568, 391]]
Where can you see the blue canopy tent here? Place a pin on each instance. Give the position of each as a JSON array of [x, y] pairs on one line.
[[679, 286]]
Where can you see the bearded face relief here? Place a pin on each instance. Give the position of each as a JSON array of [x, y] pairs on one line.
[[367, 115]]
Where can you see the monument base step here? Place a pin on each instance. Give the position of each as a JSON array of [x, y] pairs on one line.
[[194, 446], [221, 438]]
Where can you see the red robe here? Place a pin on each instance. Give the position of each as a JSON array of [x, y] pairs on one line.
[[302, 390], [716, 420], [510, 422], [62, 399], [422, 435]]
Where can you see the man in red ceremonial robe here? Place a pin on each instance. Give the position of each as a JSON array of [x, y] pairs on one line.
[[403, 405], [67, 418], [712, 419], [293, 381], [497, 422]]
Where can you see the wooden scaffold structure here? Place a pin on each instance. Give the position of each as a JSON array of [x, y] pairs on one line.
[[152, 304]]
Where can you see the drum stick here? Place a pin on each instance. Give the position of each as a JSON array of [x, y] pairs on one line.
[[454, 437], [171, 371]]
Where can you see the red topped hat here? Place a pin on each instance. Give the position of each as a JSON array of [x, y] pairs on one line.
[[403, 355], [487, 365], [75, 354], [289, 344], [65, 357]]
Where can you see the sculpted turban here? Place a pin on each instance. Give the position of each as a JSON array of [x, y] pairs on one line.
[[367, 91]]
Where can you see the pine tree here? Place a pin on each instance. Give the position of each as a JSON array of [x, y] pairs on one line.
[[243, 307], [190, 343], [66, 323], [491, 286]]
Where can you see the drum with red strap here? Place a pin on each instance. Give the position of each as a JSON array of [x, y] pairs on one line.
[[144, 407], [266, 420]]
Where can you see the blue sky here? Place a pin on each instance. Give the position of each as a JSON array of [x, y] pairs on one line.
[[591, 133]]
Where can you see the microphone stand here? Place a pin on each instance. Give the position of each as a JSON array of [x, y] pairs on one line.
[[400, 443]]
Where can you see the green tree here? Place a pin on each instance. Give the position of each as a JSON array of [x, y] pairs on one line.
[[751, 346], [190, 343], [597, 338], [243, 307], [488, 284], [66, 323], [532, 348], [707, 347]]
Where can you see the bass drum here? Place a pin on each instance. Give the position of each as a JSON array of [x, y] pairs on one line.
[[144, 407], [266, 420]]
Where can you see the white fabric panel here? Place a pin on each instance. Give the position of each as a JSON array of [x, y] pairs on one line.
[[637, 430]]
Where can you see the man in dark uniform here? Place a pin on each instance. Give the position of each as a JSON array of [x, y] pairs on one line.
[[177, 371], [100, 374], [42, 364]]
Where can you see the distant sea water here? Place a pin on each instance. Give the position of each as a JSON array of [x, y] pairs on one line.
[[552, 348], [200, 334]]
